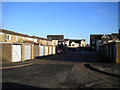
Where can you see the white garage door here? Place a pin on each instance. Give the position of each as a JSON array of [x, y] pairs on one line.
[[27, 52], [46, 50], [50, 50], [16, 53], [54, 50], [41, 50], [36, 50]]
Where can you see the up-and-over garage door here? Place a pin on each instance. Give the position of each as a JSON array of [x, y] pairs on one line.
[[54, 50], [36, 50], [46, 51], [50, 50], [27, 52], [41, 50], [16, 53]]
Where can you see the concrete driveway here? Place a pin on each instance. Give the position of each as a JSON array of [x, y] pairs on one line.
[[65, 70]]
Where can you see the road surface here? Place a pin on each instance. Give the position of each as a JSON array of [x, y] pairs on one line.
[[65, 70]]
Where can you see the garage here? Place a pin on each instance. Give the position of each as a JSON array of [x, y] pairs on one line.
[[46, 50], [16, 53], [11, 52], [54, 50], [50, 50], [36, 50], [41, 50], [27, 52]]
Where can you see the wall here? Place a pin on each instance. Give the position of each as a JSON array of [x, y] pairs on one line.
[[118, 52], [13, 38], [54, 42], [83, 43], [2, 37], [6, 52]]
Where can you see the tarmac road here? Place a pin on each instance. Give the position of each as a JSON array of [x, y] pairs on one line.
[[65, 70]]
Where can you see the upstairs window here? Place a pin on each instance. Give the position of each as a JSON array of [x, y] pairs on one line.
[[1, 33], [93, 42], [23, 38], [16, 38], [8, 37]]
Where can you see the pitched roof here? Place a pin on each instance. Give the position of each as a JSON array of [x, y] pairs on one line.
[[115, 33], [99, 36], [39, 38], [55, 35], [13, 33], [19, 34], [27, 41], [105, 36], [66, 39]]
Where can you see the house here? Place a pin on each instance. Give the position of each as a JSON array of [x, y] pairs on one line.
[[55, 37], [10, 36], [74, 43], [108, 46], [66, 41], [83, 43], [58, 39], [96, 40]]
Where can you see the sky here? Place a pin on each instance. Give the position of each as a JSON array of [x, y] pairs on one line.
[[74, 20]]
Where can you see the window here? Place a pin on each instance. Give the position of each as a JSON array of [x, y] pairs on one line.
[[8, 37], [117, 37], [73, 45], [49, 38], [35, 40], [23, 38], [16, 38], [104, 42], [1, 33], [93, 42]]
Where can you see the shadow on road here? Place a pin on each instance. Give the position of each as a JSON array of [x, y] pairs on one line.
[[10, 85], [77, 56]]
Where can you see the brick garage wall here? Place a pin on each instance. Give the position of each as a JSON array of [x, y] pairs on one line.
[[6, 53]]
